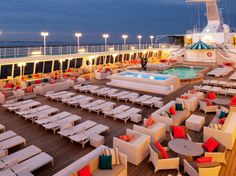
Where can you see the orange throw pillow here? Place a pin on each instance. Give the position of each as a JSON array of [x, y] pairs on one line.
[[149, 122]]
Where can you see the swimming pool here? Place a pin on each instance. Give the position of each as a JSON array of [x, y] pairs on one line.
[[183, 72], [143, 75]]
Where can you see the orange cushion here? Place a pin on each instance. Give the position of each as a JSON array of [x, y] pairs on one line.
[[211, 95], [126, 138], [211, 144], [172, 110], [179, 132], [204, 159], [149, 122], [85, 171], [162, 150]]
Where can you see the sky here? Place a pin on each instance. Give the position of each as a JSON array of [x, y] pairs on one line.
[[23, 20]]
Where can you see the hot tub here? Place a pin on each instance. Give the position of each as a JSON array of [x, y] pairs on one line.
[[147, 82]]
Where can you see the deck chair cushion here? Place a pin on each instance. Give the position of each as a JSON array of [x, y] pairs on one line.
[[211, 144], [179, 132], [85, 171], [164, 154], [204, 160]]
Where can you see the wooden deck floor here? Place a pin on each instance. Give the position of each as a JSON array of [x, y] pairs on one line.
[[65, 152]]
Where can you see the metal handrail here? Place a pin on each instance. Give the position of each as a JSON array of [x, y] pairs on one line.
[[16, 52]]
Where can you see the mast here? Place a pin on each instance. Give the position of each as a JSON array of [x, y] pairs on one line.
[[214, 17]]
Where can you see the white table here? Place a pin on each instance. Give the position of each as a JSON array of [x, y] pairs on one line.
[[195, 122], [96, 140]]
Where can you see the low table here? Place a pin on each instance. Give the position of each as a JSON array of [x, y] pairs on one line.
[[96, 140], [195, 122], [220, 101], [185, 149]]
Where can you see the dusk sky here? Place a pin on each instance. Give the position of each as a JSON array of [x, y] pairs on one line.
[[25, 19]]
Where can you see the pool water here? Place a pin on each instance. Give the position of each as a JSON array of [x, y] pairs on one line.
[[142, 75], [183, 72]]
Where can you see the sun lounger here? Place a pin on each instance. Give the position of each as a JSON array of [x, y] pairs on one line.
[[24, 106], [116, 110], [130, 96], [21, 155], [65, 100], [82, 88], [77, 129], [97, 91], [205, 82], [108, 93], [92, 88], [41, 114], [154, 101], [64, 96], [213, 82], [216, 90], [126, 115], [50, 96], [94, 103], [6, 135], [83, 137], [12, 142], [82, 101], [34, 163], [102, 107], [205, 88], [53, 118], [56, 125], [142, 99], [18, 103], [231, 92], [119, 94], [34, 110]]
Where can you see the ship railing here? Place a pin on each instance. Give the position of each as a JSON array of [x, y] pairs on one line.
[[15, 52]]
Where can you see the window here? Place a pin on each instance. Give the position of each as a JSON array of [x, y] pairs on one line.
[[6, 70], [56, 65], [48, 67], [79, 62], [29, 68], [39, 67]]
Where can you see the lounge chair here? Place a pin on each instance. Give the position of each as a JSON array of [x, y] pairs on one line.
[[116, 110], [56, 125], [6, 135], [119, 94], [66, 100], [92, 88], [82, 101], [82, 88], [18, 103], [33, 163], [21, 155], [102, 107], [77, 129], [52, 96], [64, 96], [41, 114], [53, 118], [12, 142], [126, 115], [142, 99], [97, 91], [34, 110], [154, 101], [108, 93], [24, 107], [94, 103], [130, 96]]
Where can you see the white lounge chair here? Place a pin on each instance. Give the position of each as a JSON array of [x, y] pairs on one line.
[[6, 135], [56, 125], [77, 129], [65, 100], [108, 93], [94, 103], [102, 107], [21, 155], [126, 115], [34, 110], [53, 118], [154, 101], [97, 91], [51, 96], [41, 114], [18, 103], [33, 163], [116, 110], [12, 142], [130, 96], [92, 88], [82, 88], [24, 106], [82, 101], [119, 94], [64, 96], [142, 99]]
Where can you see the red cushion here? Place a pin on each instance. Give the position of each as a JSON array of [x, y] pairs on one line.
[[221, 121], [179, 132], [10, 85], [208, 101], [149, 122], [129, 137], [162, 150], [126, 138], [184, 96], [85, 171], [204, 159], [211, 144], [233, 99], [172, 110], [211, 95], [38, 81]]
